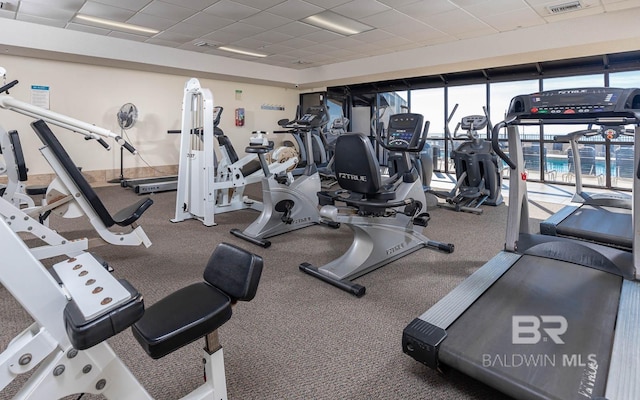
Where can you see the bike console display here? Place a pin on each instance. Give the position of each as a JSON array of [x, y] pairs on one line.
[[580, 103], [405, 132]]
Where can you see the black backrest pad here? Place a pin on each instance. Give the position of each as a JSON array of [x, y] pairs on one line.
[[356, 164], [235, 271], [223, 140], [50, 140], [14, 139]]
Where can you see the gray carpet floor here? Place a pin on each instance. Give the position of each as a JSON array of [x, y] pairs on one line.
[[300, 338]]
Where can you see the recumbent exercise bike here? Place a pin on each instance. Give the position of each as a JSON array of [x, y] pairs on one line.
[[386, 216]]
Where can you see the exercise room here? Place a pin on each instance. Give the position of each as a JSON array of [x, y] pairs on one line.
[[319, 199]]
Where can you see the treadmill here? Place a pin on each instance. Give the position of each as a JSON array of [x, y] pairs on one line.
[[548, 317], [601, 218], [169, 182]]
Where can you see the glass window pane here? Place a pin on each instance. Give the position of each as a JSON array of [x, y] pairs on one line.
[[430, 104]]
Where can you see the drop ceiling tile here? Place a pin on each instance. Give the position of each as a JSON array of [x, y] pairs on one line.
[[477, 33], [295, 9], [358, 9], [242, 29], [174, 37], [495, 7], [250, 43], [345, 43], [261, 4], [372, 36], [619, 5], [454, 22], [198, 5], [421, 36], [220, 36], [389, 18], [322, 36], [266, 20], [132, 5], [128, 36], [296, 29], [106, 11], [274, 36], [328, 3], [168, 11], [427, 7], [44, 11], [208, 21], [88, 29], [231, 10], [149, 21], [299, 53], [393, 42], [319, 48], [297, 43], [165, 43], [276, 49], [39, 20], [63, 4], [189, 29], [467, 3], [515, 19]]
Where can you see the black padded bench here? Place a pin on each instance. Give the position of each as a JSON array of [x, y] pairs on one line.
[[21, 166], [231, 274], [124, 217]]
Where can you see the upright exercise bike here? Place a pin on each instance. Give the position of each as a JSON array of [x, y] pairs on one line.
[[288, 203]]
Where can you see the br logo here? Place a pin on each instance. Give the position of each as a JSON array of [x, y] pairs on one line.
[[529, 329]]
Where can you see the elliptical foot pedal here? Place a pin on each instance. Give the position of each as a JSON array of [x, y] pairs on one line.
[[422, 219], [347, 286]]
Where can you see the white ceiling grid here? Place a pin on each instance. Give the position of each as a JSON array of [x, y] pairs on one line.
[[274, 27]]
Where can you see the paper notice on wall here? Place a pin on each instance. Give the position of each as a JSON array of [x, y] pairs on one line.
[[40, 96]]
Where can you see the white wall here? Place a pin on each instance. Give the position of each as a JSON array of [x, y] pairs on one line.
[[94, 94]]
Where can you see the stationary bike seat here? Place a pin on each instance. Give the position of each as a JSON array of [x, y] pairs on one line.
[[258, 149]]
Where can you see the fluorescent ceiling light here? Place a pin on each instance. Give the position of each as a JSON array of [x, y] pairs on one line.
[[241, 51], [115, 24], [337, 23]]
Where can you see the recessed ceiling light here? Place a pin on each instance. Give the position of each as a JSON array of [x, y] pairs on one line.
[[116, 24], [242, 51], [337, 23]]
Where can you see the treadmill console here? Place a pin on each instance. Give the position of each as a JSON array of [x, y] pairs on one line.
[[405, 132], [581, 103], [314, 117]]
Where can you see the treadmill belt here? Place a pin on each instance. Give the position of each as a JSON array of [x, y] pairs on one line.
[[542, 292], [601, 224]]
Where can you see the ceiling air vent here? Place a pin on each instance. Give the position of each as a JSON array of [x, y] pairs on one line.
[[565, 7], [203, 44]]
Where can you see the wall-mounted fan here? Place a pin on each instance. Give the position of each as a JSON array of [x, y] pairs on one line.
[[127, 116]]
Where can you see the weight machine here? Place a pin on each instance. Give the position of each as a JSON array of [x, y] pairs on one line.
[[206, 187], [78, 306], [70, 194]]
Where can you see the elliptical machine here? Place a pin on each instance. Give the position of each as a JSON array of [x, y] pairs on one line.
[[478, 178], [288, 203], [386, 216]]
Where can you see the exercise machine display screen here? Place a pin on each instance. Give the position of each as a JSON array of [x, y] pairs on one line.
[[314, 117], [576, 103], [405, 132]]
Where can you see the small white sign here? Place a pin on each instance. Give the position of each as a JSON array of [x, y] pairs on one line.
[[40, 96]]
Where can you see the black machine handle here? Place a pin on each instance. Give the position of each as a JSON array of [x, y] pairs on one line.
[[8, 86], [99, 140], [125, 144], [495, 132]]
